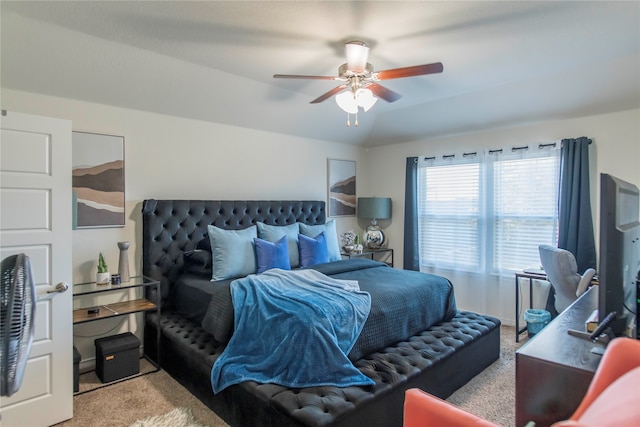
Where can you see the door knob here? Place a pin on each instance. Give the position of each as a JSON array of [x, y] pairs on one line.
[[60, 287]]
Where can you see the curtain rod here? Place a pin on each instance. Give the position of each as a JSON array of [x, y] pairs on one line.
[[541, 146], [497, 150], [589, 139]]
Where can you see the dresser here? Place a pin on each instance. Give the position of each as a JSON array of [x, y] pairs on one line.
[[554, 369]]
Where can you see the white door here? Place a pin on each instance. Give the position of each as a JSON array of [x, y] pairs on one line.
[[35, 218]]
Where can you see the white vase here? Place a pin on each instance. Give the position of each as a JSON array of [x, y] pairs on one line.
[[103, 278]]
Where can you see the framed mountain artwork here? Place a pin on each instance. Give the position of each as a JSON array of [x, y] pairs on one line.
[[98, 180], [341, 187]]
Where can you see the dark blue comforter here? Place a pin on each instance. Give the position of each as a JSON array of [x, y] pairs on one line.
[[403, 302], [293, 328]]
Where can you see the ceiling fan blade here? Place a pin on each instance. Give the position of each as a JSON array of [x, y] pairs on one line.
[[296, 76], [384, 93], [329, 94], [416, 70]]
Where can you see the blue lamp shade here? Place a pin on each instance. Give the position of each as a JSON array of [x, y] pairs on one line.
[[374, 207]]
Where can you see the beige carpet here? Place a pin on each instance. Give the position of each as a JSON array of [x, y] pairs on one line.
[[126, 402], [491, 395]]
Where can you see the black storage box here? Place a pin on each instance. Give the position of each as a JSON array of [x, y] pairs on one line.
[[117, 356], [76, 370]]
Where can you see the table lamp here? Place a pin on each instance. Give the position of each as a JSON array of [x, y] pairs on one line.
[[374, 208]]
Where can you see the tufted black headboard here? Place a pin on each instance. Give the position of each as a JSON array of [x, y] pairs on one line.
[[171, 227]]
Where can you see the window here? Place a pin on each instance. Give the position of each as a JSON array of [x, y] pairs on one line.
[[488, 212], [449, 212]]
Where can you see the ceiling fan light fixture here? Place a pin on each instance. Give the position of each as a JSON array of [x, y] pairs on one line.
[[350, 101], [357, 54], [365, 99], [347, 102]]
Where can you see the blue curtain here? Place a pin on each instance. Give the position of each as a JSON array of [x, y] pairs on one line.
[[411, 253], [575, 225]]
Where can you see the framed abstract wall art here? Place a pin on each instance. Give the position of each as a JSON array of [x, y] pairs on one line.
[[98, 180], [341, 187]]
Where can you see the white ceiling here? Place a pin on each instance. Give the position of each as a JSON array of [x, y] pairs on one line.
[[504, 62]]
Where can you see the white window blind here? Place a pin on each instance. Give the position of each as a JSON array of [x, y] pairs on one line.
[[488, 212], [525, 206], [449, 212]]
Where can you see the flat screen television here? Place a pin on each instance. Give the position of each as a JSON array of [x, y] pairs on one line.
[[619, 252]]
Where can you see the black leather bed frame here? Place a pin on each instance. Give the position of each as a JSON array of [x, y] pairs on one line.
[[438, 360]]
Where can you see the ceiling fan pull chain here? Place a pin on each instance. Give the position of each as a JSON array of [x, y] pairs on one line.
[[356, 123], [348, 121]]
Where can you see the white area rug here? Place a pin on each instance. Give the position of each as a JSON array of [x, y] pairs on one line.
[[179, 417]]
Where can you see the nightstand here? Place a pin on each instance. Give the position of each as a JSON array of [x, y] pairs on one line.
[[108, 311], [383, 255]]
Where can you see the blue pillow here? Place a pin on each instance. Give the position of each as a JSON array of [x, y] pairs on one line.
[[329, 229], [272, 255], [313, 250], [232, 252], [273, 233]]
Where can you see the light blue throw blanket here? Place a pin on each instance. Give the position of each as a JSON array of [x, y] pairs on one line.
[[295, 329]]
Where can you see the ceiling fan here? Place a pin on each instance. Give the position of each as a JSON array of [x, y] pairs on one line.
[[360, 81]]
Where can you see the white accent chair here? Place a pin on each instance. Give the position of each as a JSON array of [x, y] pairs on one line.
[[562, 272]]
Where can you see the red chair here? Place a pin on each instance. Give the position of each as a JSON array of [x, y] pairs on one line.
[[613, 397]]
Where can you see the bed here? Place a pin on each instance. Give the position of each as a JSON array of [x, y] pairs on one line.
[[437, 350]]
